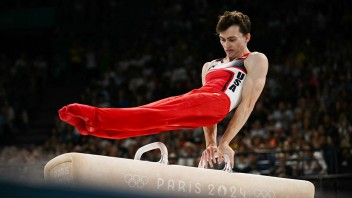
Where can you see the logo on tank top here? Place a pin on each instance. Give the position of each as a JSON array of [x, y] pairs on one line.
[[239, 78], [211, 67]]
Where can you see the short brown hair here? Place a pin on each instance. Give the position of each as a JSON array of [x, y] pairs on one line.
[[234, 18]]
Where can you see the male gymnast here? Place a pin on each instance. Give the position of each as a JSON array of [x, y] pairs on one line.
[[233, 82]]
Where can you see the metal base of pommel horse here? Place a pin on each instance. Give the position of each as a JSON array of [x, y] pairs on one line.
[[161, 178]]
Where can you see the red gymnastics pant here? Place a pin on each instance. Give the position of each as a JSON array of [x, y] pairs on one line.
[[200, 107]]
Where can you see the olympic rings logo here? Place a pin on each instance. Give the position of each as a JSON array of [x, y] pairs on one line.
[[263, 194], [136, 180]]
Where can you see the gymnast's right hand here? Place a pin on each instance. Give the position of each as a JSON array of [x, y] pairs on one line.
[[208, 155]]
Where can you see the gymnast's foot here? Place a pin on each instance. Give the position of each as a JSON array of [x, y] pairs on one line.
[[83, 117]]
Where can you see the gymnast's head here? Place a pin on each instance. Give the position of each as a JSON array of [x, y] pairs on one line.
[[233, 29]]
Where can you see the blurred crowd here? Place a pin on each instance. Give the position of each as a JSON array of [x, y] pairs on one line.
[[21, 81], [301, 124]]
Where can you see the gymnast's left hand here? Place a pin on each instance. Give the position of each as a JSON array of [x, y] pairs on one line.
[[225, 148]]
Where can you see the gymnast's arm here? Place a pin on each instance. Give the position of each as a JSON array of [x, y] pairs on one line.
[[210, 132], [257, 67]]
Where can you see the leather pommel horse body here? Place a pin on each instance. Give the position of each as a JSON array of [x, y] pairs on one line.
[[144, 176]]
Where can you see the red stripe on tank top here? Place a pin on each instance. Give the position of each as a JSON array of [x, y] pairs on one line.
[[228, 81]]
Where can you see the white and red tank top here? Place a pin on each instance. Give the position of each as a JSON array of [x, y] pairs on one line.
[[228, 77]]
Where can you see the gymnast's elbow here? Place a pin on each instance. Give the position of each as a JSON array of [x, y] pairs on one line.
[[247, 106], [250, 96]]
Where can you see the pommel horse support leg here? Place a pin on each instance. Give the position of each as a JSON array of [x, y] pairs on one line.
[[143, 176]]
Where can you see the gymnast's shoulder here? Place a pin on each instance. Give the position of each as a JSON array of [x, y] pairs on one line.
[[207, 64], [256, 59]]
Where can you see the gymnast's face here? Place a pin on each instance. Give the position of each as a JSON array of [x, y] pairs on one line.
[[234, 42]]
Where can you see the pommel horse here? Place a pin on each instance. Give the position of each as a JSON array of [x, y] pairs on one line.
[[159, 177]]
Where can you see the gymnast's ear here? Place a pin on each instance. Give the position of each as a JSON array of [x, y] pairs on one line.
[[248, 37]]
